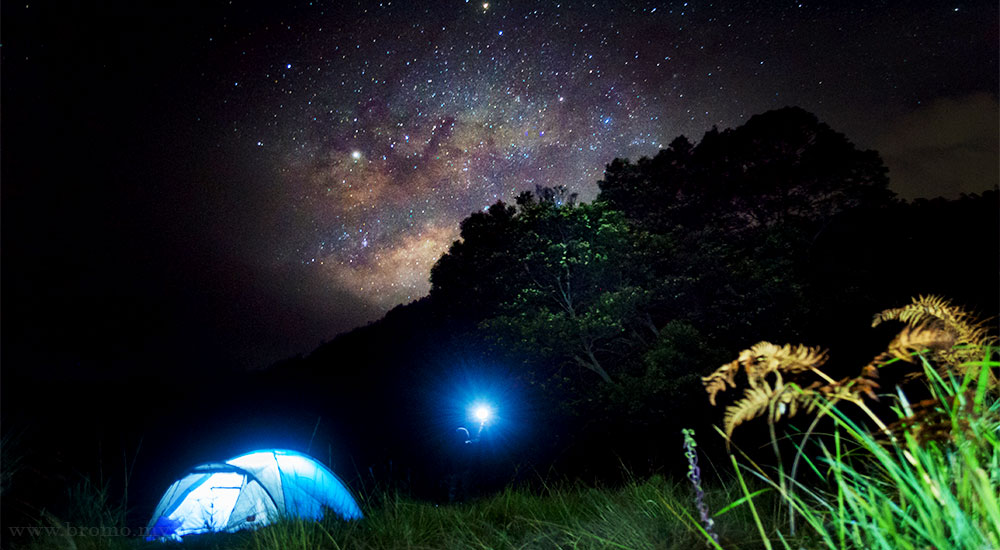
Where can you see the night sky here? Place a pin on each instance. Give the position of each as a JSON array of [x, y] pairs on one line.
[[226, 185]]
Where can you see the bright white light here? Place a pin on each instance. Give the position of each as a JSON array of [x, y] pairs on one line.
[[356, 155], [482, 413]]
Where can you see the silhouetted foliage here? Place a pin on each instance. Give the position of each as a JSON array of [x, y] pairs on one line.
[[614, 308], [471, 280], [783, 166]]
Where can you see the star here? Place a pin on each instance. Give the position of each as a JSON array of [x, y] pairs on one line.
[[403, 126]]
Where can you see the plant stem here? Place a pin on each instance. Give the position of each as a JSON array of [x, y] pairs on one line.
[[753, 509]]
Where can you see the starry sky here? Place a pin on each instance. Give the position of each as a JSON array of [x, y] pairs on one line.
[[232, 183]]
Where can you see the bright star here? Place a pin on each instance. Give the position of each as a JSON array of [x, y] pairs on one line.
[[356, 155]]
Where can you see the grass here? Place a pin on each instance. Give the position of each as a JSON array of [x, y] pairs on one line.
[[933, 484], [648, 514]]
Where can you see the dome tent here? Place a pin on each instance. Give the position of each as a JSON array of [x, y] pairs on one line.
[[248, 491]]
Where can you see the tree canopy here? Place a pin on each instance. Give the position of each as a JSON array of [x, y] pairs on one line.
[[621, 303], [783, 166], [612, 310]]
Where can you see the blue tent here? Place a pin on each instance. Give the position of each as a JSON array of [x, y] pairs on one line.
[[248, 491]]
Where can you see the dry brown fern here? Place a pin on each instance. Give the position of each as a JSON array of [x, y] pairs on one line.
[[923, 308], [783, 400], [759, 361], [755, 402], [717, 381], [851, 389], [912, 339], [931, 335], [953, 336], [780, 398], [941, 313]]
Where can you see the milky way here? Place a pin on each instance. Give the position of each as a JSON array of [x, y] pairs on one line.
[[225, 184], [390, 123]]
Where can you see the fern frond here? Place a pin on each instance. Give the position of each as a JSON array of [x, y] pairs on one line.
[[938, 311], [914, 338], [923, 308], [954, 336], [757, 361], [784, 400], [764, 358], [755, 402], [799, 358], [793, 399], [851, 389], [946, 334], [761, 359], [716, 382]]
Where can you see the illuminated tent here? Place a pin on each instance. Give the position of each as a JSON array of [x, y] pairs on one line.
[[248, 491]]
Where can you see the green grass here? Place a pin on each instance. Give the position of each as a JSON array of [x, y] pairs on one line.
[[907, 492], [869, 493], [650, 514], [910, 492], [638, 515]]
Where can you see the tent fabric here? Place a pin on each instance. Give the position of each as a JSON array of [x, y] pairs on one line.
[[248, 491]]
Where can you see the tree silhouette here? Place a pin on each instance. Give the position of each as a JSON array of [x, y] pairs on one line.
[[471, 280], [783, 166], [614, 309]]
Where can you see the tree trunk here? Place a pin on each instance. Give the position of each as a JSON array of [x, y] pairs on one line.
[[592, 363]]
